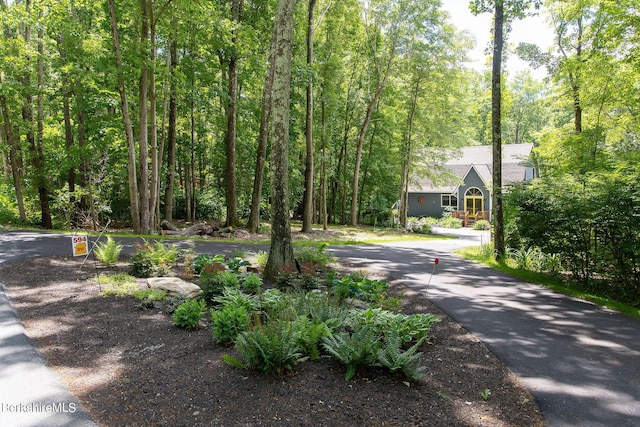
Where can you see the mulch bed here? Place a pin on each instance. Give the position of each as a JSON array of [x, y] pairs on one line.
[[131, 366]]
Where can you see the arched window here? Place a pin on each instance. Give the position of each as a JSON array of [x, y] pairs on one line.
[[473, 201]]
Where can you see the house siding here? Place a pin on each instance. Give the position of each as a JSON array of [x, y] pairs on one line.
[[430, 207], [470, 181]]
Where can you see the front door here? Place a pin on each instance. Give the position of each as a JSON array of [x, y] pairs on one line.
[[473, 201]]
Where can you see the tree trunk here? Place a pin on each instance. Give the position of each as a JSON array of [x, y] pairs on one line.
[[496, 132], [230, 138], [382, 78], [10, 138], [124, 103], [307, 210], [153, 131], [42, 187], [263, 137], [171, 143], [323, 170], [143, 130], [281, 251], [406, 156]]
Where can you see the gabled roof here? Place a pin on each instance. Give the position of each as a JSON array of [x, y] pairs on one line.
[[480, 158]]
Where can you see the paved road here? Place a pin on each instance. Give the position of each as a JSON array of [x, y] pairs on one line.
[[581, 362]]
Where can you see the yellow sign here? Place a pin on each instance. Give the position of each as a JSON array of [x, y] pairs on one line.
[[80, 245]]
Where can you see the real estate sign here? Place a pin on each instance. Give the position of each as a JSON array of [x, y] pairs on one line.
[[80, 245]]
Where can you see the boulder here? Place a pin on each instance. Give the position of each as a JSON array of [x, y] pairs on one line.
[[174, 286]]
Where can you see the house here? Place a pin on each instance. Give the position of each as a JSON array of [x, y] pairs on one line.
[[467, 192]]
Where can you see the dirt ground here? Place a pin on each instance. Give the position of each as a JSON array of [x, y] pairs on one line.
[[131, 366]]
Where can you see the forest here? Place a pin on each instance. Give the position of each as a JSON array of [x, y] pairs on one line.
[[150, 110]]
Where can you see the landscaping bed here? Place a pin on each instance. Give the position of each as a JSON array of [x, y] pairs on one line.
[[130, 365]]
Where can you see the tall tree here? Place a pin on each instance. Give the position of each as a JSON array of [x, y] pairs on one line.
[[308, 202], [281, 251], [126, 119], [231, 111], [503, 10]]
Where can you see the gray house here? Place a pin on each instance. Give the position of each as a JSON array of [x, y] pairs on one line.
[[467, 192]]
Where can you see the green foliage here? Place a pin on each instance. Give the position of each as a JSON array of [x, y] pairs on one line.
[[229, 321], [251, 282], [309, 334], [236, 263], [153, 260], [357, 285], [108, 252], [481, 224], [213, 284], [587, 225], [447, 221], [314, 255], [235, 297], [286, 280], [359, 348], [419, 225], [261, 258], [118, 284], [189, 313], [412, 328], [270, 347], [150, 295], [392, 356], [204, 260]]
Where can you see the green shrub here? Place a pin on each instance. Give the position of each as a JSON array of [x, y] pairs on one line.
[[235, 264], [270, 347], [213, 284], [419, 225], [251, 282], [314, 255], [108, 252], [448, 221], [204, 260], [481, 224], [228, 322], [287, 280], [189, 313], [356, 285], [153, 260]]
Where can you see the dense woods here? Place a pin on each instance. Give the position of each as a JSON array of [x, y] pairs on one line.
[[146, 110]]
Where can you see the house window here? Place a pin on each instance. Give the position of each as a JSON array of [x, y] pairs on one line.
[[449, 201]]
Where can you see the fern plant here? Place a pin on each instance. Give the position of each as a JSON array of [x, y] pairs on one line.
[[271, 348], [108, 252], [391, 356], [357, 349]]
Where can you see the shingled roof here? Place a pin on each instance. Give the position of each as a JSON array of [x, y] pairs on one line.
[[480, 157]]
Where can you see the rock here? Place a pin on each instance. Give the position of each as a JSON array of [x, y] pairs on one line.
[[241, 234], [174, 287], [198, 229], [166, 225]]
